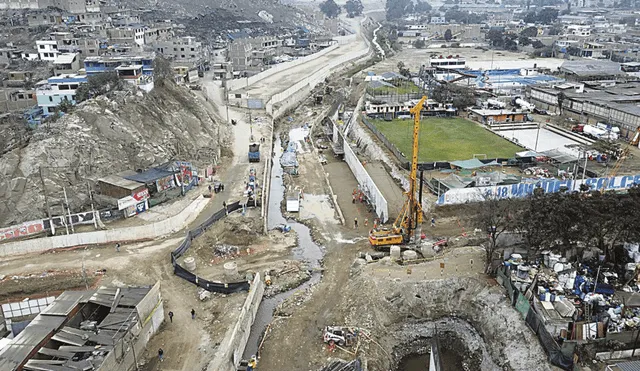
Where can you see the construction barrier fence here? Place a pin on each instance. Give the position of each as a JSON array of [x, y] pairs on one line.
[[178, 270], [533, 320]]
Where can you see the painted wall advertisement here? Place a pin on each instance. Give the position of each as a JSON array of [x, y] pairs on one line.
[[22, 230], [164, 183], [134, 199], [519, 190]]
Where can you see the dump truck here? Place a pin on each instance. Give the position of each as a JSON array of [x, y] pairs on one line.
[[254, 152]]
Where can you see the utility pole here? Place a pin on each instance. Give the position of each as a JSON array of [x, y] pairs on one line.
[[66, 200], [93, 210], [537, 136], [46, 201]]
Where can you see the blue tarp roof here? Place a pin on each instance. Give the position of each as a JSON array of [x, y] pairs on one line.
[[474, 163], [150, 175]]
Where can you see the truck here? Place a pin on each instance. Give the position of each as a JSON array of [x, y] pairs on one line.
[[254, 152], [523, 104], [594, 132], [494, 103]]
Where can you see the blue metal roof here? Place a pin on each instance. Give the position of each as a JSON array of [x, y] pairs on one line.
[[150, 175]]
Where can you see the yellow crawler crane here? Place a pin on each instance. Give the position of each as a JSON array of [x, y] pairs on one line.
[[410, 218]]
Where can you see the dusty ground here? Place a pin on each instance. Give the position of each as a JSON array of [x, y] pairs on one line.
[[476, 59]]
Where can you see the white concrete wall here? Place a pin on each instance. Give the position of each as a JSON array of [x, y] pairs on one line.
[[364, 179], [229, 353], [149, 231], [299, 91], [244, 82]]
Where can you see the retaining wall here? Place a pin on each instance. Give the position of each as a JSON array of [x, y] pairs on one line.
[[296, 93], [229, 353], [244, 82], [142, 232], [364, 179]]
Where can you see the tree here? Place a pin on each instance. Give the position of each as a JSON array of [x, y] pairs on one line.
[[422, 7], [354, 8], [533, 223], [419, 44], [330, 8], [548, 15], [496, 217], [561, 96], [448, 35], [537, 44], [544, 16], [162, 70], [530, 32], [460, 96], [404, 71], [496, 37], [397, 9], [556, 29], [96, 85]]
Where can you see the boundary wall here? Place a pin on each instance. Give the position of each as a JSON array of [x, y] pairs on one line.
[[365, 181], [294, 94], [241, 83], [229, 354], [142, 232]]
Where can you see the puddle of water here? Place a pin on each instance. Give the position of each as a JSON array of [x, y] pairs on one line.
[[306, 251], [451, 361]]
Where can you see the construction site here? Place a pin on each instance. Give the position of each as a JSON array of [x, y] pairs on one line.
[[317, 236]]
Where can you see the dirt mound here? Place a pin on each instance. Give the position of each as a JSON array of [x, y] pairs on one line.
[[400, 308], [128, 131]]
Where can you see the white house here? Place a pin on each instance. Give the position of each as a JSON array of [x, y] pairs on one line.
[[53, 91], [47, 49]]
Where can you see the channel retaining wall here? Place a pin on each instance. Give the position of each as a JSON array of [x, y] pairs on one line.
[[299, 91], [229, 354], [142, 232], [237, 84]]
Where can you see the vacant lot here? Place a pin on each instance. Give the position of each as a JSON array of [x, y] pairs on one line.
[[446, 139]]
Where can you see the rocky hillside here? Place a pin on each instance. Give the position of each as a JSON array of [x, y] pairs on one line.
[[129, 130]]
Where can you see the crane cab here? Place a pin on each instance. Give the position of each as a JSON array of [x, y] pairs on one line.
[[385, 237]]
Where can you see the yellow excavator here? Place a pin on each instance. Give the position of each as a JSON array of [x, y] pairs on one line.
[[410, 218]]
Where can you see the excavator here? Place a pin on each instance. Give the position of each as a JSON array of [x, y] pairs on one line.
[[410, 218]]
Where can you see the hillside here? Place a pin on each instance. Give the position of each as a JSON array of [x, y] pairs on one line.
[[130, 130]]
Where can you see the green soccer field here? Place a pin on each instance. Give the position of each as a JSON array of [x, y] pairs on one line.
[[446, 139]]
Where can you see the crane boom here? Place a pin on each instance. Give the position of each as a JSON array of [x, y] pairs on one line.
[[415, 207], [410, 217]]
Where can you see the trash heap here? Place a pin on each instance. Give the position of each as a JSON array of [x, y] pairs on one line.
[[289, 159], [575, 302]]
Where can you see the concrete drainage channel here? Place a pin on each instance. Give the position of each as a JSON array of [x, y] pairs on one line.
[[456, 336], [307, 250]]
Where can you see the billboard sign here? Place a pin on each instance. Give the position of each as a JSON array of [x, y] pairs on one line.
[[22, 230], [520, 190]]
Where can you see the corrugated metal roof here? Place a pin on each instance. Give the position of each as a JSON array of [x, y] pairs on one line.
[[65, 303], [592, 68], [629, 366], [150, 175], [118, 180]]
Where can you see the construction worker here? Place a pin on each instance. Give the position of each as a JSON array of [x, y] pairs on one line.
[[252, 364], [433, 221], [366, 222], [355, 223]]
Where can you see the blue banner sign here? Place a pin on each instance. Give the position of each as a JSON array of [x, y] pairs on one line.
[[479, 194]]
